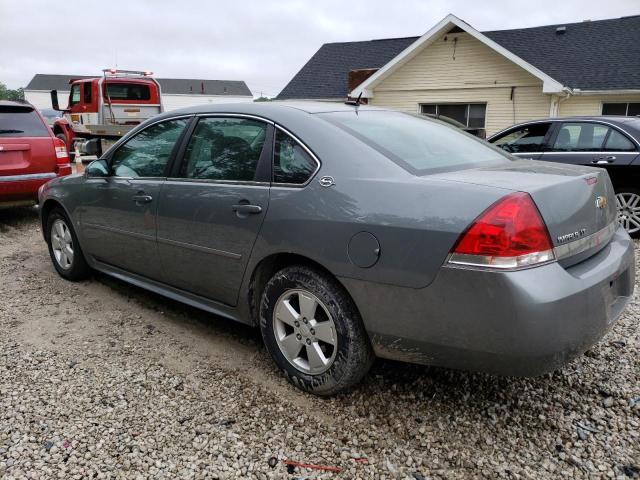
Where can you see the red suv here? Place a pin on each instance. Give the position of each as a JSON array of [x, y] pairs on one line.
[[30, 155]]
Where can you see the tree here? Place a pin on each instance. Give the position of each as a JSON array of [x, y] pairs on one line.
[[9, 94]]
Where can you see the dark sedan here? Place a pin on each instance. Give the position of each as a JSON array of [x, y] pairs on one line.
[[610, 142], [346, 232]]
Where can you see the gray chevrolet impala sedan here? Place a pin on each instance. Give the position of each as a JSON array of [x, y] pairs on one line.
[[348, 232]]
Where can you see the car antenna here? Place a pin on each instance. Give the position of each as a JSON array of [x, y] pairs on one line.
[[356, 102]]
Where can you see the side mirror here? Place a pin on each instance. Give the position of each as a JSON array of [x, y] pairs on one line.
[[54, 100], [92, 147], [97, 169]]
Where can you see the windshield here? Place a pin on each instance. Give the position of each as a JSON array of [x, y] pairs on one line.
[[21, 122], [419, 145]]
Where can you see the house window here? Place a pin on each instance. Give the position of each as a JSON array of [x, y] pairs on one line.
[[468, 115], [628, 108]]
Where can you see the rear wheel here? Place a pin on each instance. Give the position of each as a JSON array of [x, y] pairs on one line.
[[64, 249], [628, 204], [313, 331]]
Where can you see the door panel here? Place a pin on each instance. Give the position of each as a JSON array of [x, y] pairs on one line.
[[119, 223], [119, 212], [203, 243], [209, 217]]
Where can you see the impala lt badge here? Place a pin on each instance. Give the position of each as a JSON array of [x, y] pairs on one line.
[[601, 202], [572, 236]]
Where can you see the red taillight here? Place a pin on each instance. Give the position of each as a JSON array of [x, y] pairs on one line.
[[63, 166], [509, 234]]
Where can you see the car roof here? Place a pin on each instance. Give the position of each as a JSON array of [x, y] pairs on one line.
[[266, 108], [15, 103]]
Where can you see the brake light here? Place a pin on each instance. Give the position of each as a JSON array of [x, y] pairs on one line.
[[509, 234], [63, 167]]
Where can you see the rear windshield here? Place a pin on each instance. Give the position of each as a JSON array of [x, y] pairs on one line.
[[21, 122], [128, 91], [418, 144]]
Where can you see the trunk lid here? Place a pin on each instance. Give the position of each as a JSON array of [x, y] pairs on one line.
[[575, 202]]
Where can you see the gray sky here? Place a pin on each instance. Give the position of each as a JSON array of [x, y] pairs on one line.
[[261, 42]]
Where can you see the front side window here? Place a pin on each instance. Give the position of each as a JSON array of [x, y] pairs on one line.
[[467, 115], [580, 137], [74, 95], [127, 91], [147, 154], [417, 144], [291, 162], [524, 139], [224, 149]]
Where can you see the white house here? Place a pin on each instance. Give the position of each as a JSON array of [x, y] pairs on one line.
[[176, 92]]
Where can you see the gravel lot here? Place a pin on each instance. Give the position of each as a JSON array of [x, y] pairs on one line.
[[104, 380]]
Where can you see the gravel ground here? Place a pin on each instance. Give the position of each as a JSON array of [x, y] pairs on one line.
[[103, 380]]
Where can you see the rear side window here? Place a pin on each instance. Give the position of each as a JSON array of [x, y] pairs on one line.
[[86, 93], [291, 162], [524, 139], [617, 142], [418, 144], [127, 91], [21, 122], [147, 153], [580, 137], [224, 149]]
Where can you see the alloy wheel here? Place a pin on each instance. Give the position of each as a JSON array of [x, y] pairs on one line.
[[305, 331], [62, 244], [628, 205]]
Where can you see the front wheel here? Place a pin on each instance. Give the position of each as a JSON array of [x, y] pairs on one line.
[[313, 331], [628, 204], [64, 248]]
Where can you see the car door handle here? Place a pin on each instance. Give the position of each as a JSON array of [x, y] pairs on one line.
[[603, 159], [142, 198], [246, 208]]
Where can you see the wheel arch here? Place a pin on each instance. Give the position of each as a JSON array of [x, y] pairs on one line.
[[272, 263], [45, 209]]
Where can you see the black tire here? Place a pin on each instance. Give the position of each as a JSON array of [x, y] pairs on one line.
[[78, 269], [629, 226], [354, 354]]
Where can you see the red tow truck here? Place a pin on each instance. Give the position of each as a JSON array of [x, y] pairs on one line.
[[106, 107]]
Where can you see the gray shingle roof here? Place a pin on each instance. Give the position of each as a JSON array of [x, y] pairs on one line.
[[595, 55], [325, 75], [41, 81]]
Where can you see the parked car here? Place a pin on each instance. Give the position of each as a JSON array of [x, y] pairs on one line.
[[30, 154], [609, 142], [346, 232]]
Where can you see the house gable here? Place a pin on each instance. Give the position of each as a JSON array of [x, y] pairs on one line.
[[450, 22], [457, 60]]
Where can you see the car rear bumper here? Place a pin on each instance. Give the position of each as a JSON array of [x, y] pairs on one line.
[[523, 322], [17, 188]]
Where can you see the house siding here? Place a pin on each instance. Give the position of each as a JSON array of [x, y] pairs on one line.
[[591, 104], [476, 74]]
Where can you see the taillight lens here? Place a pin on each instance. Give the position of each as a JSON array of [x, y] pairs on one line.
[[509, 234], [63, 166], [61, 151]]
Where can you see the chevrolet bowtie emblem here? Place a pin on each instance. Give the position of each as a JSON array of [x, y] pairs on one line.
[[601, 202]]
